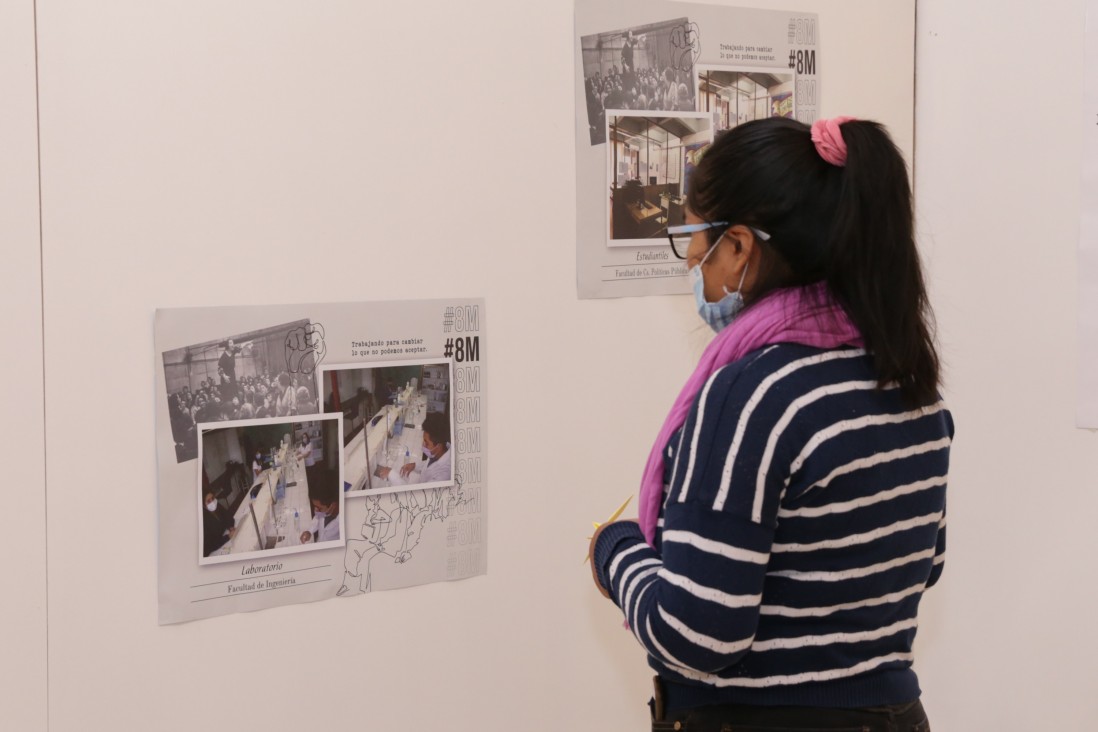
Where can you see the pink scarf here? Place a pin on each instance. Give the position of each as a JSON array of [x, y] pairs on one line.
[[805, 315]]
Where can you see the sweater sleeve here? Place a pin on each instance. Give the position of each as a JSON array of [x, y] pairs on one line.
[[694, 605], [940, 545], [939, 553]]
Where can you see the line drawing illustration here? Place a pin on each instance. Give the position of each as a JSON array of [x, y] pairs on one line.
[[686, 39], [302, 341], [393, 526]]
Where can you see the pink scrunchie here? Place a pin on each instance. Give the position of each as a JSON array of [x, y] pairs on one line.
[[829, 140]]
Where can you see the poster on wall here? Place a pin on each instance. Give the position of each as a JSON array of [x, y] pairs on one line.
[[656, 83], [310, 452], [1087, 414]]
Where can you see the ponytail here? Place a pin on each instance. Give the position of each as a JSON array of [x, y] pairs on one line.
[[873, 269]]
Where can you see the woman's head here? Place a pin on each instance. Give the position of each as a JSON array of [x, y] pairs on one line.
[[768, 176], [436, 433], [849, 226]]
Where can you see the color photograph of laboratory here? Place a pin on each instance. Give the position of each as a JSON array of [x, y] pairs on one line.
[[734, 96], [644, 67], [270, 487], [649, 163], [251, 375], [397, 423]]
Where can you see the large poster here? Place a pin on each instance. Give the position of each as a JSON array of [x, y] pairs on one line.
[[656, 83], [1087, 415], [308, 452]]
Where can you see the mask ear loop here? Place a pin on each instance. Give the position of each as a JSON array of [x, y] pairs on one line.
[[739, 287], [743, 274], [712, 249]]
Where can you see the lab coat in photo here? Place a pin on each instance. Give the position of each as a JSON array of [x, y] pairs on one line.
[[437, 472], [328, 532]]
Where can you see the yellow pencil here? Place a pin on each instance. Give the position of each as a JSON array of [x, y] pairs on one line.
[[613, 517]]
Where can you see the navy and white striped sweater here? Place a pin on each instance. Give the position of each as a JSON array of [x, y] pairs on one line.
[[804, 515]]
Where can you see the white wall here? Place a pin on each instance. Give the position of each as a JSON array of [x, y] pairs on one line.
[[1008, 638], [23, 598], [178, 136]]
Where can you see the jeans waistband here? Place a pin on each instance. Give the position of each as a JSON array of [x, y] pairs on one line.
[[909, 717]]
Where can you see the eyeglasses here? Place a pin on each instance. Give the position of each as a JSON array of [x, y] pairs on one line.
[[680, 236]]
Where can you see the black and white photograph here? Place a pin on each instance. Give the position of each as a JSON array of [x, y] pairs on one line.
[[736, 95], [254, 375], [649, 163], [647, 67], [397, 422], [269, 487]]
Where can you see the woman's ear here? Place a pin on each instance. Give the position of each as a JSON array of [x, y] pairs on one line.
[[744, 239]]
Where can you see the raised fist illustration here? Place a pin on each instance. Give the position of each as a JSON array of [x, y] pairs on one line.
[[300, 344]]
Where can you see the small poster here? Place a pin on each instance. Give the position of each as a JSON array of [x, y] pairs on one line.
[[309, 452], [656, 83]]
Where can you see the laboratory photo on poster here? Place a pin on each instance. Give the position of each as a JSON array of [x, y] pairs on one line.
[[649, 163], [397, 423], [337, 451], [254, 375], [734, 95], [648, 67], [269, 487]]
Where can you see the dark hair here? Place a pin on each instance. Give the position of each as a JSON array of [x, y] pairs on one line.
[[851, 227], [325, 489], [437, 426]]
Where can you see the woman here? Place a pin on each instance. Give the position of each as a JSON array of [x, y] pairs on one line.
[[305, 453], [792, 509], [286, 404], [305, 401]]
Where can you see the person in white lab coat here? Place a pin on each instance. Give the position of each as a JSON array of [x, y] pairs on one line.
[[436, 448], [325, 524], [306, 453]]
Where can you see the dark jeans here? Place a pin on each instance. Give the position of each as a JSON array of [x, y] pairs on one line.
[[908, 717]]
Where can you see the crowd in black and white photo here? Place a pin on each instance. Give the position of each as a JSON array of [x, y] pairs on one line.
[[630, 84], [228, 398]]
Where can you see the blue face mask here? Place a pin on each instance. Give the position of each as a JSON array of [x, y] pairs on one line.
[[718, 314]]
